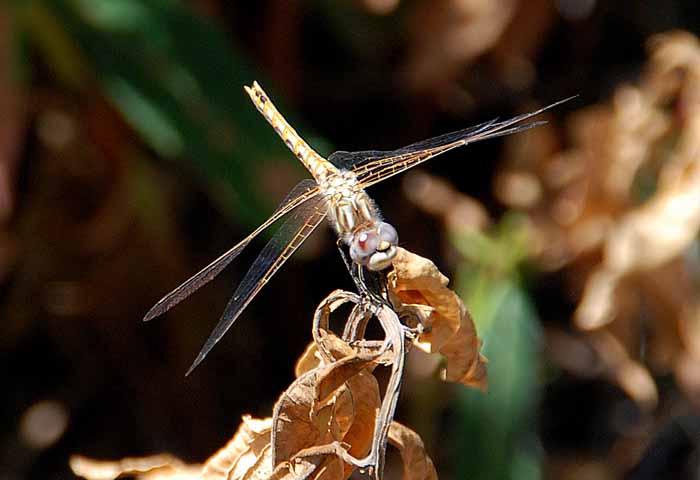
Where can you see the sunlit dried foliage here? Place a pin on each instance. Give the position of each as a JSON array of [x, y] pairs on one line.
[[333, 419], [422, 291], [156, 467], [379, 7], [449, 35], [619, 211]]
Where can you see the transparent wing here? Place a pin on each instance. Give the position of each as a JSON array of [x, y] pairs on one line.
[[381, 165], [302, 192], [288, 238], [353, 160]]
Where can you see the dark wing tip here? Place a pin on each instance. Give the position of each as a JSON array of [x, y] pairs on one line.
[[564, 100], [154, 312], [208, 346], [230, 315], [194, 365]]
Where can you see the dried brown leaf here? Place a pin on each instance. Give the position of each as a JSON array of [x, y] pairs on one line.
[[645, 239], [417, 465], [449, 34], [335, 376], [343, 413], [418, 281], [316, 463], [156, 467], [451, 329], [465, 364], [311, 359], [626, 259], [241, 452], [366, 402], [262, 469], [294, 427], [629, 374], [315, 409], [307, 361], [659, 230]]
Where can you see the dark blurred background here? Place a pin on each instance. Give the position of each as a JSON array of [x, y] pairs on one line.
[[130, 157]]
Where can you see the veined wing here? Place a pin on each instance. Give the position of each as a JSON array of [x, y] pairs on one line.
[[373, 167], [353, 160], [303, 192], [296, 228]]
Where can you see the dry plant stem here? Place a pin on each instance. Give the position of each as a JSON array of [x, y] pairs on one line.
[[321, 319], [394, 342], [357, 323]]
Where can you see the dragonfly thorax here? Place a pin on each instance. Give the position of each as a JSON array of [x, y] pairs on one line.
[[350, 210], [355, 217]]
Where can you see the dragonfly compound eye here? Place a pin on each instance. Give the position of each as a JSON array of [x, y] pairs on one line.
[[386, 248], [374, 248], [362, 245], [388, 236]]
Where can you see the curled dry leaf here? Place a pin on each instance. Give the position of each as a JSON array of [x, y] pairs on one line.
[[417, 465], [366, 401], [314, 408], [241, 452], [297, 424], [311, 358], [308, 360], [417, 284], [362, 387]]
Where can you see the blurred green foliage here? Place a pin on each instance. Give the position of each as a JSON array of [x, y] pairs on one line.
[[496, 430], [180, 89]]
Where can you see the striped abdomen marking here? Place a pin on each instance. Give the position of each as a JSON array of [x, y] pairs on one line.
[[314, 163]]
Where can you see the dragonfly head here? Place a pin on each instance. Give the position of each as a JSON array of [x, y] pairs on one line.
[[374, 247]]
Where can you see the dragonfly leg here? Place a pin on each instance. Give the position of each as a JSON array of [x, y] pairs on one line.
[[372, 286], [375, 286], [351, 266]]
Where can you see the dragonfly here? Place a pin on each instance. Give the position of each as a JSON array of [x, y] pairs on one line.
[[336, 192]]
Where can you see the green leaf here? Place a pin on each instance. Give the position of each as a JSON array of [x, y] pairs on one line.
[[178, 82], [496, 435]]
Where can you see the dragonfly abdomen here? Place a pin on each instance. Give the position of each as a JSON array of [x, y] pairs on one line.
[[315, 163]]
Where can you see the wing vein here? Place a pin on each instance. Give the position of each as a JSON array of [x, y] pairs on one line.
[[303, 192], [373, 169], [283, 244]]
